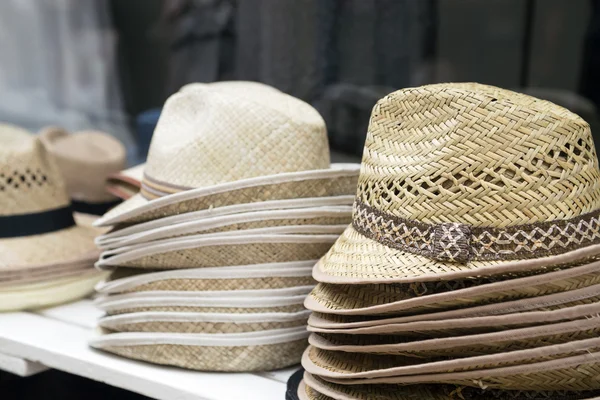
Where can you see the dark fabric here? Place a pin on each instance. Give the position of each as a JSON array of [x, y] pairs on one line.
[[93, 208], [292, 385], [590, 76], [36, 223]]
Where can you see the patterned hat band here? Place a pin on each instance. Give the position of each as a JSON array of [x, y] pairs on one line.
[[153, 189], [462, 243]]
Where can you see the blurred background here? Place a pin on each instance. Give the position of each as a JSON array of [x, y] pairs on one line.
[[110, 64]]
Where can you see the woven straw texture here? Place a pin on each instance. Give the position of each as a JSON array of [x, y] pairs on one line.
[[85, 160], [413, 298], [202, 327], [128, 211], [234, 310], [431, 392], [238, 254], [230, 359], [467, 154]]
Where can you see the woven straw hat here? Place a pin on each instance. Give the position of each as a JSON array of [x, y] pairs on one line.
[[466, 179], [85, 160], [212, 149], [243, 277], [324, 216], [38, 232], [216, 251], [247, 351], [126, 183], [319, 389], [413, 298]]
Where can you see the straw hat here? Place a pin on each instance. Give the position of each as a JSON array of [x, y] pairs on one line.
[[37, 229], [459, 180], [213, 149], [85, 160], [126, 183], [402, 298], [246, 351], [243, 277], [316, 388]]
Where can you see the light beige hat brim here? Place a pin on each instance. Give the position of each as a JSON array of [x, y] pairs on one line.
[[184, 278], [356, 259], [239, 222], [45, 294], [341, 365], [338, 180], [192, 322], [511, 317], [319, 389], [46, 272], [73, 245], [362, 300], [462, 346], [221, 251], [248, 351]]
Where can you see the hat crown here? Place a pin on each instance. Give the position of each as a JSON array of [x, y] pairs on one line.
[[206, 137], [30, 181], [477, 155]]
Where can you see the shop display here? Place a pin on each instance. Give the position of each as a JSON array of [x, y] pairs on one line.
[[470, 267], [46, 252], [85, 160], [212, 259]]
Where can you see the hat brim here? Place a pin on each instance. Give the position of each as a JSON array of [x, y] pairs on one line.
[[340, 179], [356, 259], [49, 293], [70, 246]]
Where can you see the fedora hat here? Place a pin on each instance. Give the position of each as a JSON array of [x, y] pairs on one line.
[[246, 351], [243, 277], [316, 388], [38, 231], [126, 183], [461, 180], [214, 149], [85, 160], [119, 234]]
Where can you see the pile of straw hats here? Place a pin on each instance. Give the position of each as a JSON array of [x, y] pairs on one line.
[[471, 267], [46, 253], [212, 259]]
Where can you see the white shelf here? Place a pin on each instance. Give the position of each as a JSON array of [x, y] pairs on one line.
[[57, 338]]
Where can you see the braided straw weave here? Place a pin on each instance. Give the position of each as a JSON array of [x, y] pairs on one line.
[[422, 297], [292, 308], [451, 158], [324, 390]]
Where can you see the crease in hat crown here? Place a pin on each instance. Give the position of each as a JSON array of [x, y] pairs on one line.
[[205, 137], [441, 161], [30, 181]]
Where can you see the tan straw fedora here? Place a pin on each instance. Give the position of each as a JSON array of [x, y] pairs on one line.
[[38, 232], [126, 183], [460, 180], [319, 389], [214, 148], [242, 277], [85, 160], [246, 351]]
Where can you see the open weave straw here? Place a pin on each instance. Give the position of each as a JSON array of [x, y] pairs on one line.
[[467, 154]]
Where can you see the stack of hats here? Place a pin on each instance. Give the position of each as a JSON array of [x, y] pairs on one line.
[[47, 253], [471, 269], [212, 259], [86, 159]]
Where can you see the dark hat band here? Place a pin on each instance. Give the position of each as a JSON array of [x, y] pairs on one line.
[[36, 223]]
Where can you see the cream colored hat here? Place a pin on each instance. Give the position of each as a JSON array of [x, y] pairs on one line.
[[213, 149], [38, 232], [85, 159], [126, 183], [459, 180]]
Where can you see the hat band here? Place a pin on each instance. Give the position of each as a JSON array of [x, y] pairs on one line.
[[153, 188], [36, 223], [462, 243]]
